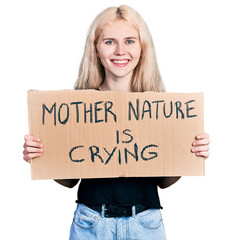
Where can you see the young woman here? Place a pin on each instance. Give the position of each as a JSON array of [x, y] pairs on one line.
[[120, 56]]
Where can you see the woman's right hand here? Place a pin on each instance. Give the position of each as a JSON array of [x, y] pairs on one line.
[[32, 148]]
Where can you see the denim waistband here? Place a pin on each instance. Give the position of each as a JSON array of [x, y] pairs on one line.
[[108, 210]]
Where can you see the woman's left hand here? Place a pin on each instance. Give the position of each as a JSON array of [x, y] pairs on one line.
[[201, 145]]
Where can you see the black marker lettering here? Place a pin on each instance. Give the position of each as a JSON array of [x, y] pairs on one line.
[[178, 106], [171, 110], [146, 109], [70, 154], [135, 155], [107, 110], [157, 107], [109, 154], [93, 154], [117, 136], [135, 112], [87, 111], [53, 108], [77, 109], [189, 108], [67, 113], [127, 134], [154, 154], [119, 156], [96, 112]]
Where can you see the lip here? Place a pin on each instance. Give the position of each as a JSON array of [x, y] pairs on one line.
[[120, 62]]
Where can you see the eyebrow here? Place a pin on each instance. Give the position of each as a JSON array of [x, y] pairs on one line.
[[107, 38]]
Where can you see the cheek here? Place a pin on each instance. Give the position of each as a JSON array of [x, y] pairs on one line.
[[136, 52], [103, 54], [103, 59], [136, 56]]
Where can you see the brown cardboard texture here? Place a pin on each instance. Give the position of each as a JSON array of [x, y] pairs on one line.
[[94, 134]]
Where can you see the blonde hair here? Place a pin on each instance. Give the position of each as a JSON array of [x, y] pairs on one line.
[[146, 76]]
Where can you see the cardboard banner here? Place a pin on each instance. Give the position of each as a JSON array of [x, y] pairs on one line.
[[100, 134]]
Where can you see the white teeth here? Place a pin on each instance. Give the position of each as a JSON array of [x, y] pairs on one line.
[[120, 62]]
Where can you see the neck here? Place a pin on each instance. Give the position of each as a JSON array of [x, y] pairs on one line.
[[119, 84]]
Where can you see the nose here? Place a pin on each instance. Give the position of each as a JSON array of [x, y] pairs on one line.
[[120, 49]]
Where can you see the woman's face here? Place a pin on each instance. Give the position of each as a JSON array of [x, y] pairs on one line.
[[119, 50]]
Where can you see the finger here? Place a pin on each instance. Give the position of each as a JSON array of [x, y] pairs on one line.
[[31, 138], [34, 155], [27, 160], [204, 141], [29, 156], [34, 150], [204, 148], [202, 136], [203, 154], [30, 143]]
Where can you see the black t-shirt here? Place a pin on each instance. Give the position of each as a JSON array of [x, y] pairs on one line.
[[119, 191]]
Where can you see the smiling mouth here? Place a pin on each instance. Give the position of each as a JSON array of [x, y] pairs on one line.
[[120, 62]]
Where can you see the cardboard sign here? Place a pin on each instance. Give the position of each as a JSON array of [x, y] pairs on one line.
[[94, 134]]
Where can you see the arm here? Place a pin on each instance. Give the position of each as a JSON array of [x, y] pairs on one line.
[[70, 183]]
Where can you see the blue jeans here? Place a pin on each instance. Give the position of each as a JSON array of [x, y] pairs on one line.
[[89, 224]]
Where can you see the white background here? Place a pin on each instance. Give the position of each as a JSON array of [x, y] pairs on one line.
[[41, 46]]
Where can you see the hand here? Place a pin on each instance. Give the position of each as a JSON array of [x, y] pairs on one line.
[[201, 145], [32, 148]]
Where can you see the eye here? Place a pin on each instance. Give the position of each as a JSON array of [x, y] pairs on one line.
[[109, 42], [129, 41]]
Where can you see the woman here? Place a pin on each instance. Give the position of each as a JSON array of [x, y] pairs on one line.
[[119, 55]]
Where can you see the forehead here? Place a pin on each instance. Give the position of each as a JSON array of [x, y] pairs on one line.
[[119, 29]]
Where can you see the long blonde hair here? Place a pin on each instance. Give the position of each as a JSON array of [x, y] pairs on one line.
[[146, 76]]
